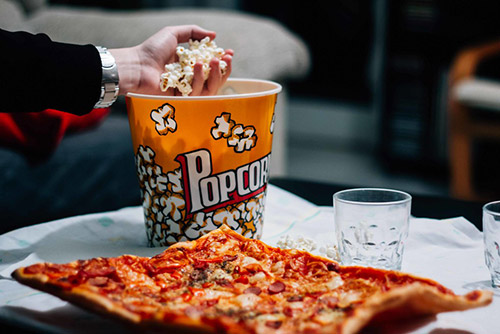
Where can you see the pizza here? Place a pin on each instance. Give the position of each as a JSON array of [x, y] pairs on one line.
[[226, 283]]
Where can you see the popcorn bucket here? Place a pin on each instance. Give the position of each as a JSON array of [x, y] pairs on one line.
[[203, 161]]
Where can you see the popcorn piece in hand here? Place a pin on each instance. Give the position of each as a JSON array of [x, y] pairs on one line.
[[180, 75]]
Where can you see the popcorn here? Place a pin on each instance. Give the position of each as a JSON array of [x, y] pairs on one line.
[[252, 207], [228, 216], [173, 206], [146, 153], [164, 117], [180, 75], [247, 140], [224, 125], [240, 137], [330, 251], [308, 245], [200, 224], [236, 133], [301, 243], [165, 208], [175, 181], [271, 127], [162, 182]]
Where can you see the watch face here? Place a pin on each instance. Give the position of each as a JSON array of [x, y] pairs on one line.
[[107, 60]]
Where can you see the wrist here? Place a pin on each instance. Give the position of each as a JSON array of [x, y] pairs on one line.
[[109, 79], [128, 64]]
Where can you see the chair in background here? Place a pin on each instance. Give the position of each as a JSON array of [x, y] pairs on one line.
[[474, 119]]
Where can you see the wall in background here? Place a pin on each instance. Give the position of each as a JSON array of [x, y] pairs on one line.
[[389, 57]]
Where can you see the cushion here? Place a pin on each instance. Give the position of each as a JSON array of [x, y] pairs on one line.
[[11, 16], [264, 49], [31, 6]]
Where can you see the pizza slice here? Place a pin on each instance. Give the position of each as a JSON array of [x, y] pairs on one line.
[[226, 283]]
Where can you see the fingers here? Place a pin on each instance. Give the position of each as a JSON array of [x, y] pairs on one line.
[[160, 50], [198, 80], [186, 32], [214, 78], [228, 58]]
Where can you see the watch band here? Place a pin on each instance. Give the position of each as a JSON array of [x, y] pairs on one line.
[[109, 82]]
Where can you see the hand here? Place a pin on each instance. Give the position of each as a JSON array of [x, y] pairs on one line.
[[140, 67]]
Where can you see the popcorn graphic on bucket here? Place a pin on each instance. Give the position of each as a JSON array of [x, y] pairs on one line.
[[203, 161]]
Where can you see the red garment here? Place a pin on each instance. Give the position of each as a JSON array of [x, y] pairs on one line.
[[37, 134]]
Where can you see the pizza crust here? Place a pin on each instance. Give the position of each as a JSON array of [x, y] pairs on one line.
[[411, 301], [96, 303], [421, 297], [84, 298]]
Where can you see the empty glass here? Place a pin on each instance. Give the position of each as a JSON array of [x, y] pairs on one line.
[[371, 226], [491, 234]]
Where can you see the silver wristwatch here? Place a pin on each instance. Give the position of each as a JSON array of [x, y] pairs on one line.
[[109, 82]]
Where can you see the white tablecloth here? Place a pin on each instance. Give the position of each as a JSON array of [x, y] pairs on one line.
[[449, 251]]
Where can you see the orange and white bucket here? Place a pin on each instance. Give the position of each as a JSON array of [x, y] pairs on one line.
[[204, 161]]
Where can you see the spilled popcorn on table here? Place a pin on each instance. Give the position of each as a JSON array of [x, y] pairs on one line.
[[308, 245]]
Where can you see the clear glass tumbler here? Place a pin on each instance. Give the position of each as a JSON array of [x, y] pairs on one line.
[[491, 235], [371, 225]]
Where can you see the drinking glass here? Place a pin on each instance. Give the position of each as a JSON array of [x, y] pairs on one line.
[[491, 235], [371, 226]]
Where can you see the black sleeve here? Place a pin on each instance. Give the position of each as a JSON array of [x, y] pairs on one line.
[[37, 73]]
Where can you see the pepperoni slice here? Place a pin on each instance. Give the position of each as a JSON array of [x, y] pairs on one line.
[[98, 281], [96, 272], [225, 258], [276, 287], [253, 289], [473, 295], [209, 302], [242, 279], [162, 268], [332, 266], [274, 324], [296, 298], [225, 283], [229, 258], [330, 301], [288, 311], [200, 265], [34, 269]]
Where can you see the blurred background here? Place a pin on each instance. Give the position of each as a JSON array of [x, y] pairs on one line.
[[400, 94], [373, 109]]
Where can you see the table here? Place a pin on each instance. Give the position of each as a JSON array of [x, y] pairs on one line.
[[310, 215]]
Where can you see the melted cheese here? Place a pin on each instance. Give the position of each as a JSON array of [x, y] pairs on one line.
[[247, 260], [220, 274], [247, 300], [211, 278], [260, 276], [335, 282]]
